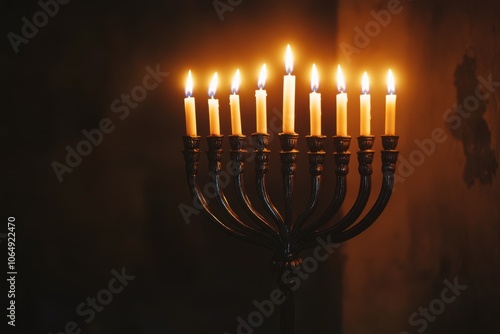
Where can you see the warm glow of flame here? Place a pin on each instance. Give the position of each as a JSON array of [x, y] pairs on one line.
[[340, 80], [236, 82], [314, 79], [213, 86], [289, 60], [189, 85], [262, 77], [365, 85], [391, 86]]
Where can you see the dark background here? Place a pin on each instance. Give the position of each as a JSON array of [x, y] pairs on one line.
[[120, 206]]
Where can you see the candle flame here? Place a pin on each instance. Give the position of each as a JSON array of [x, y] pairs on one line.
[[340, 80], [189, 85], [391, 87], [314, 79], [289, 60], [262, 77], [236, 82], [365, 85], [213, 86]]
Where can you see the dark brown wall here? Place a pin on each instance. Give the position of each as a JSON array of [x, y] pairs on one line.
[[443, 222]]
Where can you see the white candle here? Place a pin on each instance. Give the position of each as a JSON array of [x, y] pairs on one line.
[[315, 104], [260, 102], [213, 108], [234, 103], [390, 106], [289, 95], [365, 106], [341, 105], [189, 107]]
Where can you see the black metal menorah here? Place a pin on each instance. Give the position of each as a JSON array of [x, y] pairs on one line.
[[277, 231]]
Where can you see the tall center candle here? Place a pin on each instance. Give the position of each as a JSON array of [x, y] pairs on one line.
[[260, 102], [234, 103], [289, 95], [315, 104], [213, 108], [341, 105], [189, 107]]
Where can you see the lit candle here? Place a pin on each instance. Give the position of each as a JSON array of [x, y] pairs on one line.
[[289, 94], [234, 103], [365, 106], [189, 107], [315, 104], [341, 105], [260, 102], [213, 108], [390, 106]]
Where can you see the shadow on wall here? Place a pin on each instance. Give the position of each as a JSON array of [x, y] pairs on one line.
[[472, 97]]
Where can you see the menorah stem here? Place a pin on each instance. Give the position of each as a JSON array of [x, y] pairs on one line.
[[288, 155], [287, 268], [287, 313]]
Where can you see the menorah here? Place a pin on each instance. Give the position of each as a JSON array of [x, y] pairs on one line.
[[278, 231]]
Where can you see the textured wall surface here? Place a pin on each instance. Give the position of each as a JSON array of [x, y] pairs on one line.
[[443, 222]]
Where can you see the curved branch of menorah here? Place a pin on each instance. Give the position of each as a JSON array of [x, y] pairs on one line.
[[262, 153], [237, 153], [316, 159], [389, 159], [365, 159], [238, 229], [342, 158], [341, 230], [280, 233]]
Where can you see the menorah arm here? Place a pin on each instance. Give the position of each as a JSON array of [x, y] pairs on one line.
[[371, 216], [197, 195], [261, 142], [357, 208], [316, 160], [191, 157], [342, 158], [365, 159], [389, 159], [311, 204], [268, 204], [214, 155], [236, 220], [249, 208], [237, 153]]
